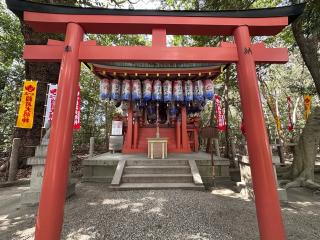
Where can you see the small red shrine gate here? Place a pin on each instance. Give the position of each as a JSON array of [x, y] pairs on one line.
[[74, 22]]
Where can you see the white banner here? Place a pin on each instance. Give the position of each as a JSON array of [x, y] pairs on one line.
[[51, 99]]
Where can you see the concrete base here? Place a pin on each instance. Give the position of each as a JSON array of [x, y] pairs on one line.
[[31, 198], [102, 168], [157, 186], [245, 186]]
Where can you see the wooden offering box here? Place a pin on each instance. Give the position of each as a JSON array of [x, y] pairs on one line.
[[157, 148]]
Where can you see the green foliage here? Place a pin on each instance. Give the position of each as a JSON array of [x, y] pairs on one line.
[[11, 72]]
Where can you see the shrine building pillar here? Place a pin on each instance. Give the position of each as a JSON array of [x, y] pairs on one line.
[[129, 133], [184, 133], [135, 132], [178, 134], [264, 185]]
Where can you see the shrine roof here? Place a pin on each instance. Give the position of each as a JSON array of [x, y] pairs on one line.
[[132, 70], [20, 6]]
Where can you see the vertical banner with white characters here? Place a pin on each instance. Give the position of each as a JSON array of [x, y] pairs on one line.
[[51, 99]]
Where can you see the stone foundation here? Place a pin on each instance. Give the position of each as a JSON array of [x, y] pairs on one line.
[[245, 187], [102, 168], [31, 197]]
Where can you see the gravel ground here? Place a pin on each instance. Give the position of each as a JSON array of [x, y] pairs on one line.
[[97, 213]]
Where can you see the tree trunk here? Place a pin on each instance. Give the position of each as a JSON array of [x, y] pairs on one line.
[[43, 73], [309, 50], [306, 150]]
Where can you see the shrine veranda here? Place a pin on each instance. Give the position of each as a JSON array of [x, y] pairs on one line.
[[180, 128]]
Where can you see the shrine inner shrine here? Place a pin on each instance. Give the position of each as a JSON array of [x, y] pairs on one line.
[[169, 110], [167, 97]]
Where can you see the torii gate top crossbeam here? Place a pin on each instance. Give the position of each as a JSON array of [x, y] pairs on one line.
[[49, 18]]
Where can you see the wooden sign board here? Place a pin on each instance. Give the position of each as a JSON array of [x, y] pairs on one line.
[[209, 132], [116, 128]]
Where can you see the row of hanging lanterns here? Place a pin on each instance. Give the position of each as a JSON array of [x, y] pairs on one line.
[[147, 90]]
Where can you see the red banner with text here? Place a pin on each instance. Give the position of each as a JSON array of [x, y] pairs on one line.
[[221, 121]]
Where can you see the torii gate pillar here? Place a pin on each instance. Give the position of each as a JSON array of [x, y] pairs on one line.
[[54, 186], [264, 185]]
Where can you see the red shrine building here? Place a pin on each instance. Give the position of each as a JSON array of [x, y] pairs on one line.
[[170, 113], [168, 96]]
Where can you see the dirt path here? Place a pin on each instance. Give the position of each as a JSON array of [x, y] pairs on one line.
[[97, 213]]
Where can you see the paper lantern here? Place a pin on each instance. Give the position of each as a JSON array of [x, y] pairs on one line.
[[177, 91], [208, 89], [105, 89], [188, 91], [147, 90], [198, 91], [136, 90], [167, 91], [115, 89], [157, 91], [126, 90]]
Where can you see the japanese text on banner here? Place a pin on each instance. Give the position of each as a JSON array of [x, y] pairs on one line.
[[27, 103], [51, 99], [219, 114]]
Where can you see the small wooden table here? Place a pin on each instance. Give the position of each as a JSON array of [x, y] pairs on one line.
[[157, 148]]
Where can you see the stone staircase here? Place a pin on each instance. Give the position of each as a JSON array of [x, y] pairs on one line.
[[31, 197], [157, 174]]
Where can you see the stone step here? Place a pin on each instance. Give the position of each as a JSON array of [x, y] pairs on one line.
[[158, 186], [157, 162], [41, 151], [157, 169], [97, 179], [157, 178]]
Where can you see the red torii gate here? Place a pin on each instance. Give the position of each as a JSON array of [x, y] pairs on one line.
[[74, 22]]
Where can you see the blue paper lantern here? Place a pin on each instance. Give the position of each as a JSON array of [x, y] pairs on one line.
[[105, 89], [167, 91], [177, 91], [188, 91], [147, 90], [208, 89], [115, 90], [136, 90], [198, 91], [157, 91], [126, 90]]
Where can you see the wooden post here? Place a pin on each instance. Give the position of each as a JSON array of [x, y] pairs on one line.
[[128, 139], [178, 134], [280, 150], [216, 147], [233, 152], [91, 148], [135, 133], [184, 133], [14, 159]]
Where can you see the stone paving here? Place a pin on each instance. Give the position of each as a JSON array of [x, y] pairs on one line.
[[98, 213]]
